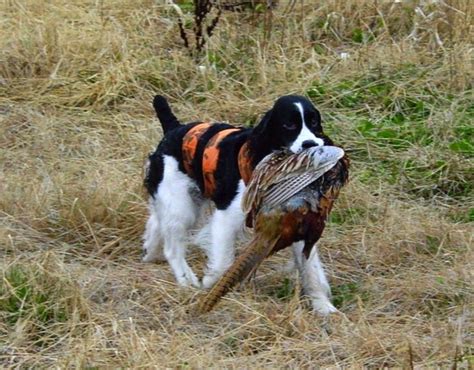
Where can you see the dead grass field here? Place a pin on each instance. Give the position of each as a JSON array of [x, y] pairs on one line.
[[393, 81]]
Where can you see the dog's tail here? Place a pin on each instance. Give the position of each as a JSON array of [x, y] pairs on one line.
[[165, 115]]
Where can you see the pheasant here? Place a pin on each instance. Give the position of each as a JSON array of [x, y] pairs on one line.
[[288, 199]]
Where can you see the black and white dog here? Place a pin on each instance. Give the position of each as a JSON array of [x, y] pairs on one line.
[[198, 162]]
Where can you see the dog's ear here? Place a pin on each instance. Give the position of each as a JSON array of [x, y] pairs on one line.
[[262, 126], [319, 126]]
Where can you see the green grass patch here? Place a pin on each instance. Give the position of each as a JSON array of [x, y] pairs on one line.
[[374, 88], [187, 6], [389, 120], [284, 291], [39, 301], [470, 215], [463, 216], [431, 245], [360, 36], [21, 297], [347, 293], [463, 147], [394, 132], [438, 177]]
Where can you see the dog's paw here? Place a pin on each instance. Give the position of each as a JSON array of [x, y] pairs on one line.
[[188, 278], [210, 279], [153, 255], [323, 306]]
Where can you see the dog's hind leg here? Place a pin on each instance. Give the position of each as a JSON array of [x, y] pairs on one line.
[[152, 240], [177, 214], [313, 278]]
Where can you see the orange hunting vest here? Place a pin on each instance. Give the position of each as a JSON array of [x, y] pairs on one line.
[[211, 155]]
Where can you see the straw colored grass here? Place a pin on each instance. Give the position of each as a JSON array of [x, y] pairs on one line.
[[393, 81]]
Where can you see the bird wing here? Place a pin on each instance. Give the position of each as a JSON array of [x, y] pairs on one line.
[[282, 174], [285, 189]]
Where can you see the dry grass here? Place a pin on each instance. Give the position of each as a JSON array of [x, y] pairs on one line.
[[76, 82]]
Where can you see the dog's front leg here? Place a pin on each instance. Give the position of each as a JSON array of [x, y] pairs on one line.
[[225, 225]]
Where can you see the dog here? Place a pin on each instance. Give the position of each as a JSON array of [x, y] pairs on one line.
[[200, 162]]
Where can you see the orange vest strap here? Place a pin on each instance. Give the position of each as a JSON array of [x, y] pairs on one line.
[[190, 142], [210, 158]]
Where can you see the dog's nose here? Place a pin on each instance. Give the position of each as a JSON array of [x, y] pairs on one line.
[[308, 144]]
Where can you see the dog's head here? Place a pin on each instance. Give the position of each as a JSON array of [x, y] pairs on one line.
[[293, 123]]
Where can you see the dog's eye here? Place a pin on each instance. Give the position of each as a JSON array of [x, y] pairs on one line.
[[290, 126]]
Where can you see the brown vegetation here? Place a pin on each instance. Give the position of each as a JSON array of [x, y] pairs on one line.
[[394, 83]]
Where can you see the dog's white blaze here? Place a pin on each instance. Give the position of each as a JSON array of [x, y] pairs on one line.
[[225, 225], [313, 279], [305, 133]]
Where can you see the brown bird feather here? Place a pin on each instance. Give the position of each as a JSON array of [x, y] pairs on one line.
[[288, 199]]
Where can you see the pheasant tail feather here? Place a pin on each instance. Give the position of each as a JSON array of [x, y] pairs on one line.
[[246, 263]]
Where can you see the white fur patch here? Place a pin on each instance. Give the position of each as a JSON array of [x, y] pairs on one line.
[[304, 135], [173, 213], [313, 279], [225, 226], [152, 240]]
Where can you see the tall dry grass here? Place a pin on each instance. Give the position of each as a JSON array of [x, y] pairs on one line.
[[394, 83]]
